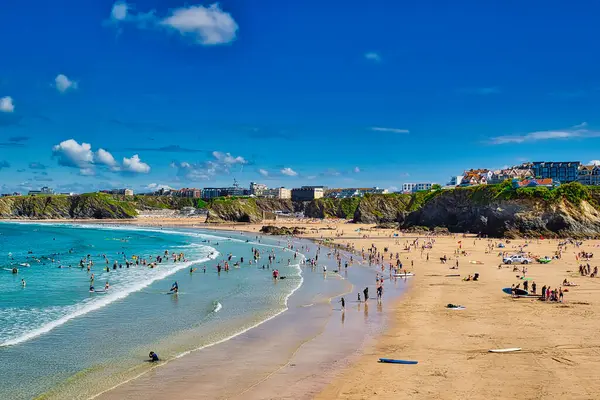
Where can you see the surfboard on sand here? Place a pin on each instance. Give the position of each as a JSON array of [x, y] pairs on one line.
[[403, 275], [393, 361], [518, 292], [508, 350]]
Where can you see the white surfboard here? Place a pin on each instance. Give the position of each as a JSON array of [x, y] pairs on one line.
[[509, 350]]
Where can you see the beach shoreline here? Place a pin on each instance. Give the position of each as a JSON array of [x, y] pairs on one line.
[[558, 340]]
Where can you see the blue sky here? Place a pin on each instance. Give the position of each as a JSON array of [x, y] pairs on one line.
[[102, 94]]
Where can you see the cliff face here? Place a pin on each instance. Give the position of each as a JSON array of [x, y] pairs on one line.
[[486, 212], [85, 206], [246, 209], [382, 208]]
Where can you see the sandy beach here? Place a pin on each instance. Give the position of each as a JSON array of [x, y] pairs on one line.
[[558, 341]]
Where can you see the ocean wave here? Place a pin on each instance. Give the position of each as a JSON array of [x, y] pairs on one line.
[[54, 317]]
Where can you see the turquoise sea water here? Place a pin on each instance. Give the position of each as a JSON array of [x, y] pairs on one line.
[[59, 340]]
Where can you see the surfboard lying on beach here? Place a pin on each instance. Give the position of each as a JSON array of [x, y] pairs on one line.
[[403, 275], [392, 361], [509, 350], [518, 292]]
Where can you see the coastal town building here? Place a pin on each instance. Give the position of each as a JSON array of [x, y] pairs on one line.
[[519, 172], [45, 190], [533, 182], [257, 189], [308, 193], [416, 187], [123, 192], [277, 193], [455, 180], [589, 175], [192, 193], [564, 172], [474, 177], [344, 193]]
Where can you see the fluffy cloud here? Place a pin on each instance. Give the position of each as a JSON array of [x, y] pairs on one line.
[[580, 131], [221, 164], [288, 171], [119, 11], [6, 104], [72, 154], [105, 158], [594, 162], [135, 165], [263, 172], [373, 56], [228, 159], [157, 186], [62, 83], [208, 25], [356, 170], [392, 130]]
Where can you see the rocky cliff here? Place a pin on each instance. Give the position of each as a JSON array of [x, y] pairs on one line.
[[86, 206], [247, 209], [570, 211]]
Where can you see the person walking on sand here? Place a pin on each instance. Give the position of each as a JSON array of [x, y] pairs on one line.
[[343, 304], [366, 293]]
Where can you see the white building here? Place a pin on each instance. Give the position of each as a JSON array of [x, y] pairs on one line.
[[455, 180], [257, 189], [277, 193], [416, 187]]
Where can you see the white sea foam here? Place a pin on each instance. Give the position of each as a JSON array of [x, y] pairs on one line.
[[117, 292]]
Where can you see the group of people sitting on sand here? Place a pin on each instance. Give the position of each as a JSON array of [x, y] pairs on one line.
[[584, 256], [586, 269]]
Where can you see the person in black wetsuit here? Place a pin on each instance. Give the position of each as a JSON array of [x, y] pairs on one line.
[[153, 357], [366, 293]]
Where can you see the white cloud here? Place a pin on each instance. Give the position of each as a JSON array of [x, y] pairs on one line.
[[289, 172], [393, 189], [62, 83], [156, 186], [6, 104], [209, 25], [105, 158], [219, 165], [228, 159], [594, 162], [373, 56], [72, 154], [263, 172], [135, 165], [392, 130], [356, 170], [577, 131], [87, 171], [119, 11]]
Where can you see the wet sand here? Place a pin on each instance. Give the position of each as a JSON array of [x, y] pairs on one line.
[[294, 355]]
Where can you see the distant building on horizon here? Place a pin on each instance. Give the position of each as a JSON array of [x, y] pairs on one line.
[[344, 193], [589, 175], [257, 189], [563, 171], [417, 187], [277, 193], [123, 192], [45, 190], [308, 193]]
